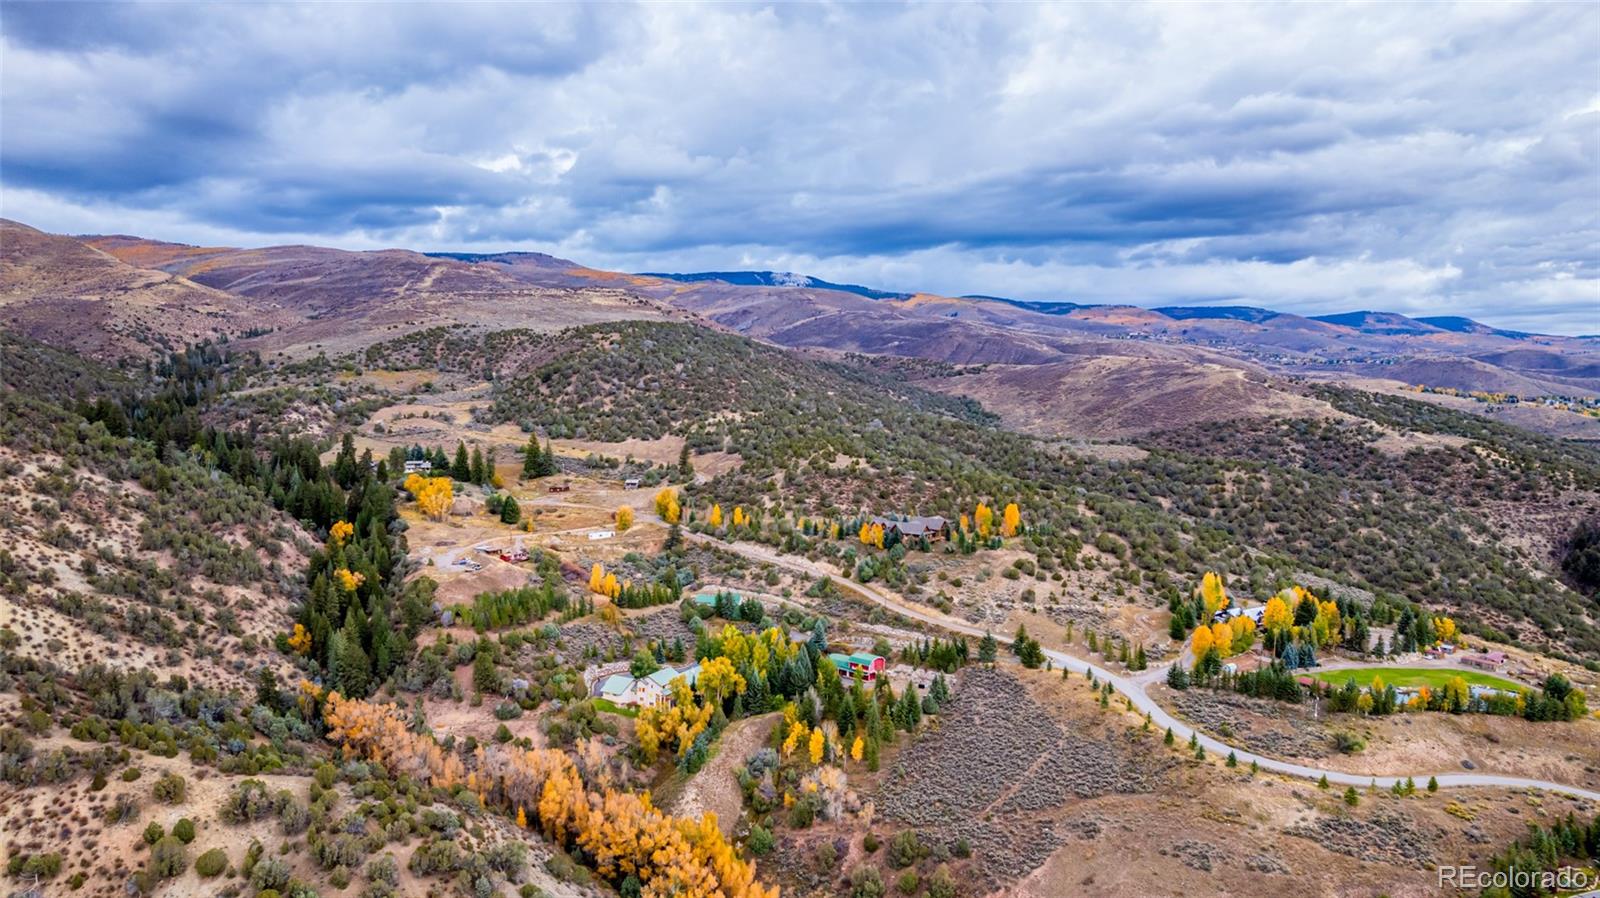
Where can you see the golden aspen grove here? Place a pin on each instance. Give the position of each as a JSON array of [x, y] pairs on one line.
[[433, 494], [672, 857]]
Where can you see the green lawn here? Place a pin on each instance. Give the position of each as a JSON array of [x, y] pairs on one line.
[[1431, 677], [607, 705]]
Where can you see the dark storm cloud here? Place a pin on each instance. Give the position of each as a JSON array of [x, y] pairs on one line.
[[1433, 158]]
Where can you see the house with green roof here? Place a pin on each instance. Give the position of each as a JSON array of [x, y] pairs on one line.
[[652, 691], [861, 666]]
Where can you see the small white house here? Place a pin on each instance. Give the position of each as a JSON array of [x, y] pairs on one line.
[[632, 483], [418, 466]]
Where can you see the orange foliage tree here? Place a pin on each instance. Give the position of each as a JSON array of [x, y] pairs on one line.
[[1010, 520], [621, 831]]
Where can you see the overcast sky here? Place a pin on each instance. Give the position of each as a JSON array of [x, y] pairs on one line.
[[1412, 157]]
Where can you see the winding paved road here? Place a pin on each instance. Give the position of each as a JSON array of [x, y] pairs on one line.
[[1134, 690]]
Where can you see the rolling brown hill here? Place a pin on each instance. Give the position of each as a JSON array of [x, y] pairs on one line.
[[63, 291], [1113, 397], [344, 301], [1063, 370]]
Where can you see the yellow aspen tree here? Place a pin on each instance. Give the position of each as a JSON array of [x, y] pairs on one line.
[[649, 737], [1332, 624], [1277, 617], [1222, 638], [348, 580], [434, 496], [340, 531], [856, 749], [522, 818], [983, 519], [865, 534], [797, 732], [819, 743], [1010, 520], [624, 518], [715, 518], [718, 679], [300, 640], [1201, 642], [597, 577], [1443, 627], [1244, 633], [1213, 593], [667, 505]]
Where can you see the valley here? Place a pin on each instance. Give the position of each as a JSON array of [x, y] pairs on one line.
[[489, 575]]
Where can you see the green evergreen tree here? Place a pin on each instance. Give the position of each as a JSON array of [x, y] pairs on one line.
[[510, 511], [461, 470], [685, 468], [532, 458], [484, 677], [547, 461]]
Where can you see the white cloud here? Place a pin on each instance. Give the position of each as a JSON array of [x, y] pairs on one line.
[[1306, 157]]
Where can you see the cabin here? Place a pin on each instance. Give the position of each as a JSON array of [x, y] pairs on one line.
[[632, 483], [418, 466], [861, 666], [933, 528], [564, 486], [514, 555], [1485, 660]]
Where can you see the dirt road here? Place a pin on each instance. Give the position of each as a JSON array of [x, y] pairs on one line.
[[1134, 688]]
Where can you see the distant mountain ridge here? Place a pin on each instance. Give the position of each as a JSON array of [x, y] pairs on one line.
[[1105, 370], [774, 279], [1366, 321], [1467, 326]]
